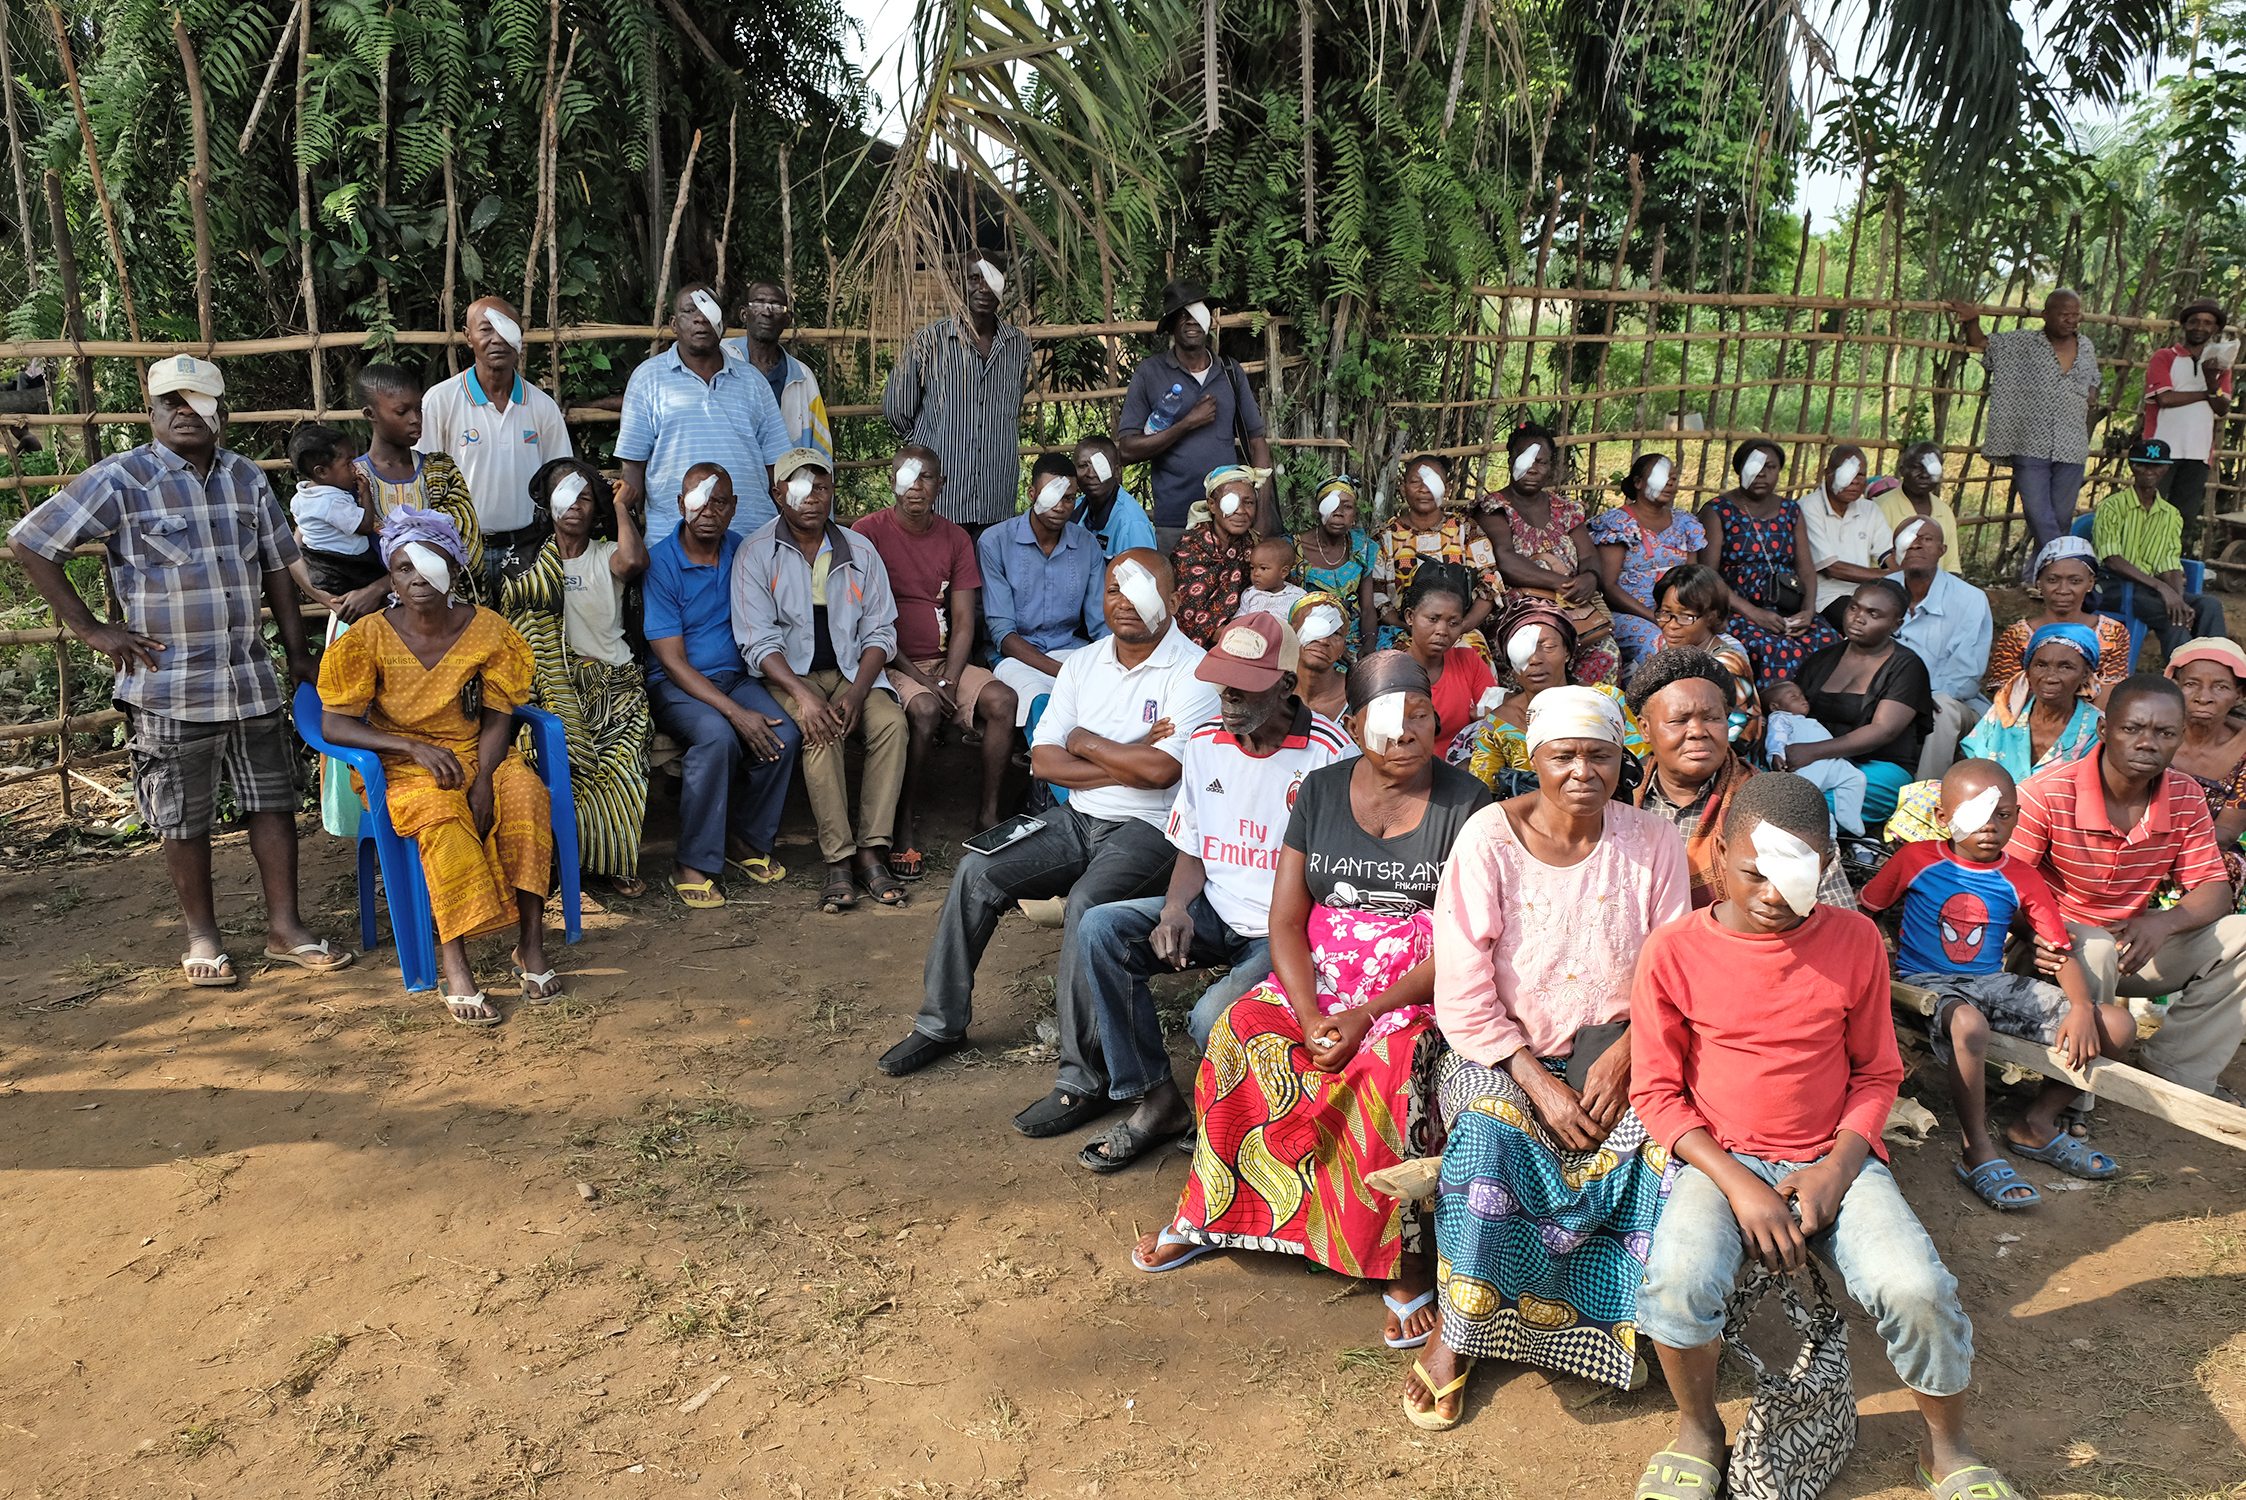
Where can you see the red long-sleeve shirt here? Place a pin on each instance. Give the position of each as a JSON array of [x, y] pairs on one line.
[[1772, 1043]]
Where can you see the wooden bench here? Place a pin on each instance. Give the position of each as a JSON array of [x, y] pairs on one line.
[[2147, 1093]]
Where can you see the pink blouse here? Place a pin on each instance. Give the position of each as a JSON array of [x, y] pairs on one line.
[[1526, 953]]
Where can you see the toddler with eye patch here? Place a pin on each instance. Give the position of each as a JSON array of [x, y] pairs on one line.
[[1269, 591]]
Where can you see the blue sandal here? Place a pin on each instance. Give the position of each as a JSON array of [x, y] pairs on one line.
[[1993, 1179], [2072, 1155]]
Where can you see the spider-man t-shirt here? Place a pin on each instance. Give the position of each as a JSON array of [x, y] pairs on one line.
[[1955, 912]]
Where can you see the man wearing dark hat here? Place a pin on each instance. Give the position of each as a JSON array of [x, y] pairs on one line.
[[2187, 392], [2139, 540], [1189, 410], [957, 392]]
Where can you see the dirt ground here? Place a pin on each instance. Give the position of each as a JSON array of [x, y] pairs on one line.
[[308, 1238]]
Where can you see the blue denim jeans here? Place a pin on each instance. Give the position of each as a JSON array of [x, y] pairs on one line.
[[1114, 960], [1882, 1253], [2047, 492], [723, 789]]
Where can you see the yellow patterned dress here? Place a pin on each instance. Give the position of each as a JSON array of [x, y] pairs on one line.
[[602, 705], [370, 672]]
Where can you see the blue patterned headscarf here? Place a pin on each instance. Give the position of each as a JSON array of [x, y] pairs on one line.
[[2081, 637]]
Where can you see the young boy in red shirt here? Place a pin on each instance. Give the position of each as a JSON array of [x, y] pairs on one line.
[[1958, 900], [1763, 1058]]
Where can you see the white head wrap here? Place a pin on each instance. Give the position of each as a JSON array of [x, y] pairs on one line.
[[1432, 477], [1788, 864], [1750, 468], [1657, 476], [799, 488], [1136, 581], [506, 327], [706, 305], [566, 492], [431, 565], [1573, 713], [1909, 533], [1974, 812], [1322, 621], [1520, 646], [1053, 494], [1931, 465], [1845, 474], [1384, 722], [1102, 470], [690, 502], [1525, 460], [2060, 548], [993, 278], [1199, 313], [909, 470]]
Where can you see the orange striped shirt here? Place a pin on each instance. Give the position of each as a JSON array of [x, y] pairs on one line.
[[2103, 875]]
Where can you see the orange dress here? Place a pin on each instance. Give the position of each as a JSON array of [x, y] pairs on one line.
[[370, 672]]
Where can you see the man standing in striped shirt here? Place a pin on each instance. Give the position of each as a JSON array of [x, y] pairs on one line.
[[957, 390], [2106, 832], [2140, 540]]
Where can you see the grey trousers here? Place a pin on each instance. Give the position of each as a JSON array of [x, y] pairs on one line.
[[2205, 974]]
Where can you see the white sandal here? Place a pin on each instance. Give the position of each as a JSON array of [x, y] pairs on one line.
[[457, 1003], [213, 973]]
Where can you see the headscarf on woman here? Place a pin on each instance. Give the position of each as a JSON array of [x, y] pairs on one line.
[[1212, 564], [2059, 549], [1522, 611], [410, 526]]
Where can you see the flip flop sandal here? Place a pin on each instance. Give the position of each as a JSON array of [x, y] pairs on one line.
[[1671, 1475], [1974, 1482], [627, 886], [908, 864], [881, 885], [1403, 1312], [471, 1004], [839, 894], [214, 973], [313, 956], [547, 985], [2071, 1155], [1163, 1241], [1120, 1145], [1433, 1420], [699, 895], [1992, 1180], [760, 871]]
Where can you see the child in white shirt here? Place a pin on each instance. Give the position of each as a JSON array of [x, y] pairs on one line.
[[334, 524], [1841, 781], [1268, 591]]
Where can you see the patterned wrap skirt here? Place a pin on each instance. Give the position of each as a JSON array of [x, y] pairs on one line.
[[1285, 1147], [1540, 1249]]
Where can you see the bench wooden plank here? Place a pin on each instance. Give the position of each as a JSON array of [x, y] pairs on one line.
[[2147, 1093]]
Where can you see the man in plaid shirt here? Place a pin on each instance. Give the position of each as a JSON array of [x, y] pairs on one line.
[[195, 540]]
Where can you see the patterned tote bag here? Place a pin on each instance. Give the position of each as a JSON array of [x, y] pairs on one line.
[[1801, 1424]]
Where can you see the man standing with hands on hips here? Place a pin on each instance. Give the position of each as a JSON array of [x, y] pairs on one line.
[[1188, 412], [195, 541], [499, 429]]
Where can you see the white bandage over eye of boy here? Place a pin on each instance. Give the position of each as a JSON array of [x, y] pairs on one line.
[[1789, 864], [1973, 814], [1051, 496]]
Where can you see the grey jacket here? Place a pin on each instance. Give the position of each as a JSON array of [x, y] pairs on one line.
[[772, 600]]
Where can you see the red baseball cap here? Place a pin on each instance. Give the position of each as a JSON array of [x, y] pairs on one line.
[[1250, 654]]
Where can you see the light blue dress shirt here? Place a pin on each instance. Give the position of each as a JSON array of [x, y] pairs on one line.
[[674, 419], [1054, 602]]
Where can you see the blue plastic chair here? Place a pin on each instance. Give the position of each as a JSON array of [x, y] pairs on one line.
[[2122, 605], [1059, 794], [398, 860]]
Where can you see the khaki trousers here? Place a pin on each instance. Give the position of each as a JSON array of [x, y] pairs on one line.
[[885, 732], [2204, 972]]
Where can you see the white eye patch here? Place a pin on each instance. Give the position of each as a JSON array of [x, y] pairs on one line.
[[908, 474], [566, 492], [1788, 864], [1752, 468], [1657, 477], [431, 565], [1384, 722], [204, 406], [1051, 495], [706, 305], [1907, 535], [1520, 647], [1931, 465], [691, 502], [506, 327], [993, 278], [1199, 313], [1845, 475], [1322, 621], [1137, 585], [1526, 459], [1974, 812], [1432, 477], [799, 489], [1329, 505], [1102, 470], [1229, 503]]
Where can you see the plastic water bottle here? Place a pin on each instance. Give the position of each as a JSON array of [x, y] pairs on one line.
[[1167, 409]]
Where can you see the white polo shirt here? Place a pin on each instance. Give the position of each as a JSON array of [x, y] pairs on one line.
[[1862, 537], [1232, 808], [1121, 703], [497, 448]]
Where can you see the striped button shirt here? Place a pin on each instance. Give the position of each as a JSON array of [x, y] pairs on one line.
[[188, 555], [674, 419], [2152, 539], [947, 396], [2102, 875], [2036, 409]]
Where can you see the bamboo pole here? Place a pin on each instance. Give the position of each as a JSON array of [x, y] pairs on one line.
[[787, 236], [543, 191], [16, 156], [1543, 257], [670, 237], [304, 210], [73, 317], [732, 182], [199, 174], [93, 165], [553, 232], [1692, 279], [286, 35], [382, 176], [1647, 353], [1614, 283], [452, 260], [1786, 339]]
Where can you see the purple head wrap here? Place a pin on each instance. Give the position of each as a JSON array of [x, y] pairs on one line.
[[409, 523]]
